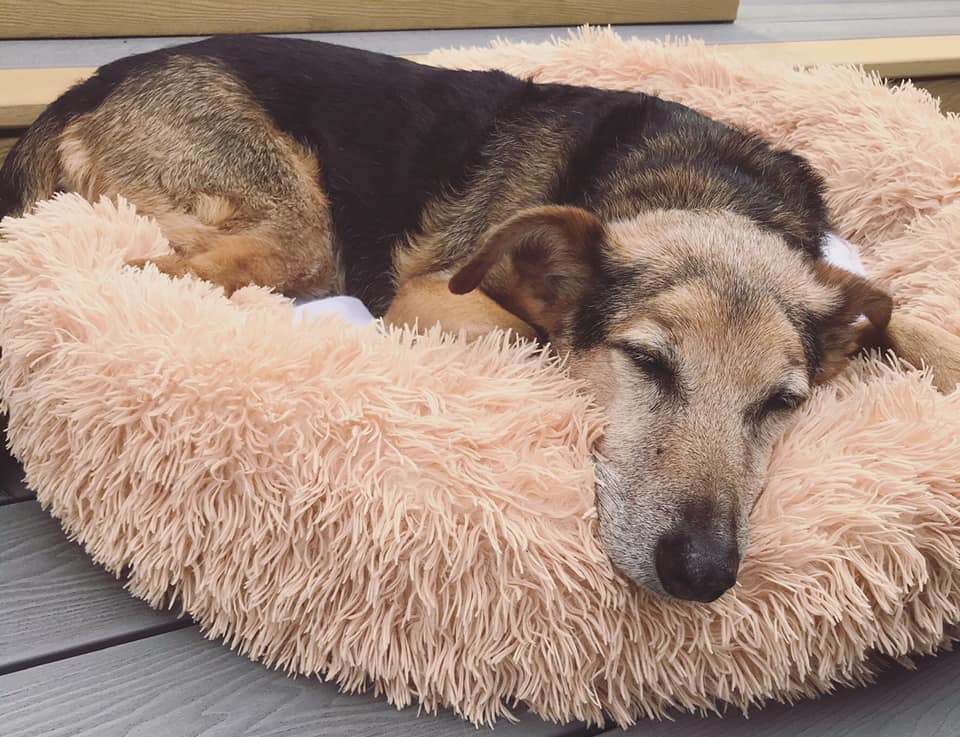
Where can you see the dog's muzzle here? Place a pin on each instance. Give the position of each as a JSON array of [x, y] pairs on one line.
[[692, 554]]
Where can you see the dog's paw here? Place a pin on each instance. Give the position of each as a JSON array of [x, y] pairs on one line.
[[171, 265]]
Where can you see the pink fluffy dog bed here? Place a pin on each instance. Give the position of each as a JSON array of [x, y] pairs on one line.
[[416, 515]]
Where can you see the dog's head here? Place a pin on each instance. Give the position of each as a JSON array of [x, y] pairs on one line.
[[699, 333]]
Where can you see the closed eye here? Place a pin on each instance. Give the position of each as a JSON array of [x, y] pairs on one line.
[[776, 403], [782, 402], [655, 365]]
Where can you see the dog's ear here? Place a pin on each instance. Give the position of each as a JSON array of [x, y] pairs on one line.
[[537, 264], [842, 332]]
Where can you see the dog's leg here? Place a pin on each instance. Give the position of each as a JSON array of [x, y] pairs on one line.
[[241, 201], [264, 256], [235, 261], [426, 301]]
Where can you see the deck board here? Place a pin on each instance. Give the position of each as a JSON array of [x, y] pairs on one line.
[[903, 703], [54, 601], [826, 11], [180, 685]]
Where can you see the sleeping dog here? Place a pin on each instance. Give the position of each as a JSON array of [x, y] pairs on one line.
[[676, 261]]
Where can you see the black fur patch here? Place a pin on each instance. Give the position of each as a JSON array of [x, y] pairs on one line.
[[603, 301]]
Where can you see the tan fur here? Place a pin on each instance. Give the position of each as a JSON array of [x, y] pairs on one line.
[[427, 301], [230, 261], [215, 210]]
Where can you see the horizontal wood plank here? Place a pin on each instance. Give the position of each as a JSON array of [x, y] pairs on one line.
[[912, 56], [903, 703], [180, 685], [24, 93], [841, 29], [86, 18], [54, 601], [864, 11]]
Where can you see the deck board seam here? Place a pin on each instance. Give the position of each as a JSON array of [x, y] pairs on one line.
[[93, 646]]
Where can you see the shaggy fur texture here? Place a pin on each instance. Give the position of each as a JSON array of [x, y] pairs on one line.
[[416, 514]]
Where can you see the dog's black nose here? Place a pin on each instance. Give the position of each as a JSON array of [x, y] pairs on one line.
[[697, 564]]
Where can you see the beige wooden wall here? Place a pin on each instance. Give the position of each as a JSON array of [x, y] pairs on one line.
[[86, 18]]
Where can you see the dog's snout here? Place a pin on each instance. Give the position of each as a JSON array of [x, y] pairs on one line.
[[696, 563]]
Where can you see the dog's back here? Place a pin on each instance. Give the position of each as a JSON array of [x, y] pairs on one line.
[[398, 144]]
